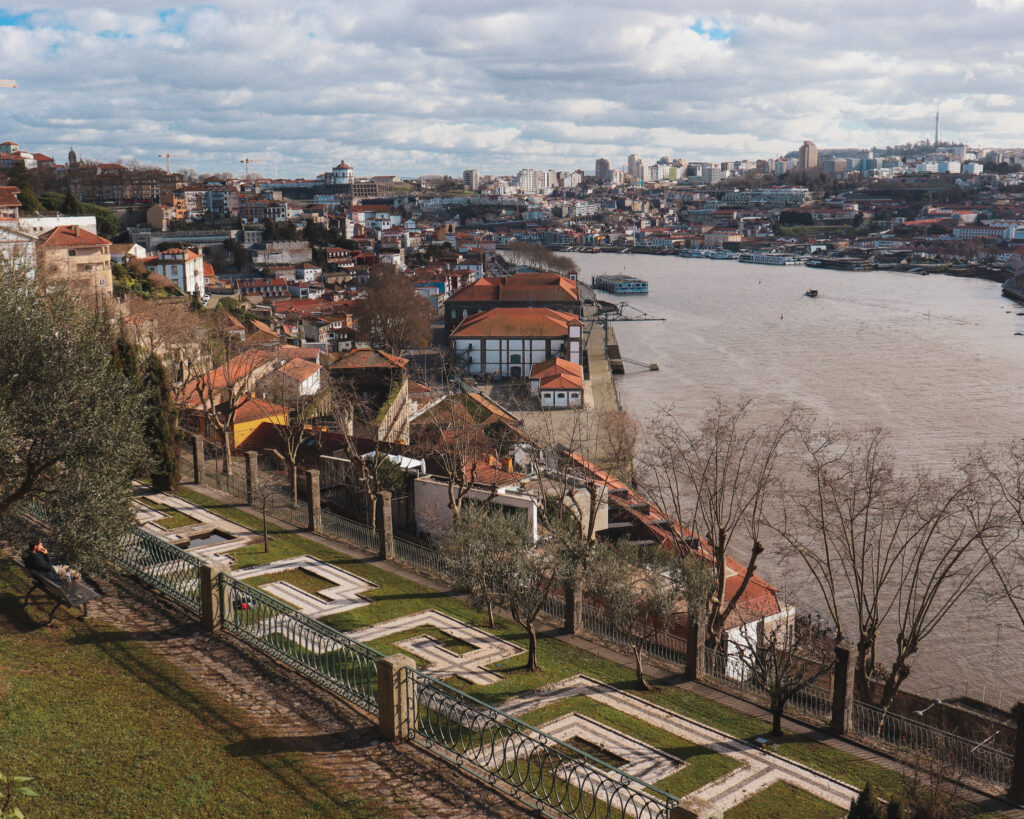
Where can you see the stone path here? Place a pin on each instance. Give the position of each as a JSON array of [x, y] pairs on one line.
[[757, 770], [344, 594], [282, 712], [470, 666]]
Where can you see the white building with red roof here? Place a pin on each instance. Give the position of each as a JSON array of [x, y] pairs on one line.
[[181, 266], [507, 342], [557, 383]]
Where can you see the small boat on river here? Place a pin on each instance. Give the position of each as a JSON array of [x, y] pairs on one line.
[[811, 294]]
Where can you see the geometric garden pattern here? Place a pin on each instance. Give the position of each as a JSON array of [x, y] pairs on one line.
[[756, 769]]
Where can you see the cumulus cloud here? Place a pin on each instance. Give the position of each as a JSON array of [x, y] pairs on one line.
[[411, 86]]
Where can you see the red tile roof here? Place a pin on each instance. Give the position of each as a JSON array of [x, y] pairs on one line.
[[516, 322], [9, 197], [558, 374], [71, 236], [300, 369], [256, 408], [363, 359]]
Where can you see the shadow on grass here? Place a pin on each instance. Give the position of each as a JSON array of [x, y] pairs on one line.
[[233, 726], [17, 616], [311, 744]]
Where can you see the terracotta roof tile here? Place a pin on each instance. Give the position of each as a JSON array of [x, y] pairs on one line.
[[516, 322]]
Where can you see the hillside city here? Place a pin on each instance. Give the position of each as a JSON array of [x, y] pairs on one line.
[[385, 453]]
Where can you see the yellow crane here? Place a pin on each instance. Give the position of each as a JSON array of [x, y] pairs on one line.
[[248, 161], [8, 84], [168, 158]]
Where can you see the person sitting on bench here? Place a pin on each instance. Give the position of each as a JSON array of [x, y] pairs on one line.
[[37, 558]]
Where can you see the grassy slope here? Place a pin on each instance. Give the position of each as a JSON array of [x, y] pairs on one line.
[[107, 728], [782, 800], [396, 596]]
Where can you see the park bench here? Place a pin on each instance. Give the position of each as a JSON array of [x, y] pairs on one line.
[[71, 594]]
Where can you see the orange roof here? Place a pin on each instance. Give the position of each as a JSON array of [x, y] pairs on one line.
[[522, 287], [363, 359], [226, 375], [300, 369], [517, 322], [71, 236], [9, 197], [558, 374], [256, 408]]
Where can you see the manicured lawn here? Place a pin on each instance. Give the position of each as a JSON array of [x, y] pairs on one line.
[[397, 596], [107, 728], [783, 801], [702, 765], [172, 519]]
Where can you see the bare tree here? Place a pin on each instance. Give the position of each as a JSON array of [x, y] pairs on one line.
[[783, 657], [1005, 469], [474, 553], [720, 480], [641, 593], [888, 550], [297, 428], [393, 314]]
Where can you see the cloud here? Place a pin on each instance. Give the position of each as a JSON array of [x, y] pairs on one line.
[[412, 86]]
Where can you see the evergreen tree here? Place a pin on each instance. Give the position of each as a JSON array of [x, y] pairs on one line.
[[161, 426], [866, 805], [71, 205]]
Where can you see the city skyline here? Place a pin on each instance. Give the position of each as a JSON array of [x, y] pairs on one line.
[[412, 89]]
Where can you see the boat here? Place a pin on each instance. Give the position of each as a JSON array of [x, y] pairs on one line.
[[620, 285], [768, 258], [813, 294]]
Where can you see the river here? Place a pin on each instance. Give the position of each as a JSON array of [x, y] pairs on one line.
[[934, 359]]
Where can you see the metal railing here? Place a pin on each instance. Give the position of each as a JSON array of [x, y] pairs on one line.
[[664, 646], [522, 760], [354, 532], [727, 671], [173, 571], [421, 557], [972, 758], [312, 648]]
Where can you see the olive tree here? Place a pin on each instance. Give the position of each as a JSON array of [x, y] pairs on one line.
[[71, 436]]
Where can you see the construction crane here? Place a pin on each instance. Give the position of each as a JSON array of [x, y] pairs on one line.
[[8, 84], [247, 162], [168, 158]]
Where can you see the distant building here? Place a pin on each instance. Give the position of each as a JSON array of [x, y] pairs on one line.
[[834, 165], [182, 267], [808, 155], [507, 341], [471, 179], [603, 170], [79, 258]]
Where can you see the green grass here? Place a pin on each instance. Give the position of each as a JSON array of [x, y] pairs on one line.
[[172, 519], [784, 801], [387, 645], [396, 596], [107, 728], [300, 578], [702, 766]]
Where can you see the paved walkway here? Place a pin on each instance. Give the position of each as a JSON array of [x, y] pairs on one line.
[[285, 712], [791, 727]]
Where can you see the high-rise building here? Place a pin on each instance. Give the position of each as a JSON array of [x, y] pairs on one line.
[[808, 155], [471, 179], [603, 170]]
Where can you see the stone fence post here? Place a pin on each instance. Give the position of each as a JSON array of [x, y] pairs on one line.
[[396, 703], [198, 459], [211, 609], [314, 519], [573, 618], [842, 690], [387, 531], [1016, 792], [252, 471]]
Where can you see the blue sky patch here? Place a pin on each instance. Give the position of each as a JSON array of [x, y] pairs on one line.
[[8, 18], [711, 30]]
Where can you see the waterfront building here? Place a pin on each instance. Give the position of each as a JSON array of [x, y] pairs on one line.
[[507, 342]]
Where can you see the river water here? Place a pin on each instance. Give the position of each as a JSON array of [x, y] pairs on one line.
[[934, 359]]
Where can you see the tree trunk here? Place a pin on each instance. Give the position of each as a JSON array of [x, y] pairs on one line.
[[777, 722], [266, 540], [227, 452], [531, 658], [490, 615], [295, 481], [641, 679]]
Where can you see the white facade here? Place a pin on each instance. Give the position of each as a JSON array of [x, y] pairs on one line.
[[184, 268], [38, 225], [434, 517], [515, 357]]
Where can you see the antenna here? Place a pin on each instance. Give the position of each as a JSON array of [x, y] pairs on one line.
[[936, 127]]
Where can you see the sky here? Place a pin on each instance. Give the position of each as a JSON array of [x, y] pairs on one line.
[[404, 87]]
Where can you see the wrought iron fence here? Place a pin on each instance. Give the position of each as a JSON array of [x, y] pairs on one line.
[[354, 532], [662, 647], [522, 760], [974, 758], [728, 671], [173, 571], [313, 648], [420, 556]]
